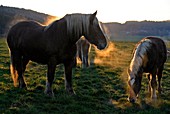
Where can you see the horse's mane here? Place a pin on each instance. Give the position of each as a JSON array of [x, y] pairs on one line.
[[77, 23], [139, 55]]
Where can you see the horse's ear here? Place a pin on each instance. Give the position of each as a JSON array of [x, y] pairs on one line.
[[92, 17], [95, 13]]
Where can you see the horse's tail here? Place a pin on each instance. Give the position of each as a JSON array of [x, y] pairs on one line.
[[13, 44], [13, 70]]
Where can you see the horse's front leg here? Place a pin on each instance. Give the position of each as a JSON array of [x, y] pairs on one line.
[[50, 77], [68, 77]]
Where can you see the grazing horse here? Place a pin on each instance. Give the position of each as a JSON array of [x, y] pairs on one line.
[[149, 56], [83, 49], [51, 45]]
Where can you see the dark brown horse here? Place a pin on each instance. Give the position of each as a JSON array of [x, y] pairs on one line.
[[51, 45], [83, 49], [149, 56]]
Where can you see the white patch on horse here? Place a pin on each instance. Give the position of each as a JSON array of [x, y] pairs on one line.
[[132, 81]]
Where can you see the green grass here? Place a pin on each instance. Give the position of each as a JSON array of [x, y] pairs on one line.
[[100, 89]]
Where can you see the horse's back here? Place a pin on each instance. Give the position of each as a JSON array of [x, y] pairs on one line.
[[23, 30], [30, 24], [156, 51], [159, 45], [25, 25], [156, 41], [86, 45]]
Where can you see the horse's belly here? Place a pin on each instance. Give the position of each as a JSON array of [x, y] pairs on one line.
[[41, 61], [38, 58]]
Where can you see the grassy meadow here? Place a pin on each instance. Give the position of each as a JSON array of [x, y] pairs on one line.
[[100, 89]]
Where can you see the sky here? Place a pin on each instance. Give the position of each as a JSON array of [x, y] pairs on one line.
[[108, 10]]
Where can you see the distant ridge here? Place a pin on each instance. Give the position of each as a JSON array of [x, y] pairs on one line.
[[137, 29], [11, 15]]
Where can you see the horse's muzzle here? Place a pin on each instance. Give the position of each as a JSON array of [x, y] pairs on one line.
[[102, 46], [131, 100]]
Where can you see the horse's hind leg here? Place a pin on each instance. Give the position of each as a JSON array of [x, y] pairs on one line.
[[85, 59], [25, 62], [153, 86], [159, 79], [85, 62], [149, 85]]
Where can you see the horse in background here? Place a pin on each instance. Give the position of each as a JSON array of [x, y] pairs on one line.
[[149, 56], [83, 49], [51, 45]]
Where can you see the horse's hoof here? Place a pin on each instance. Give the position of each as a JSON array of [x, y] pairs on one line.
[[159, 91], [49, 93], [71, 93], [154, 98], [22, 86]]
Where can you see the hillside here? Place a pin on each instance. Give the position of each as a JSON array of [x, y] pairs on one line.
[[10, 16], [118, 31]]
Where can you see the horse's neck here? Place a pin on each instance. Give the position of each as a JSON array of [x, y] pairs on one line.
[[74, 36], [74, 39], [60, 27]]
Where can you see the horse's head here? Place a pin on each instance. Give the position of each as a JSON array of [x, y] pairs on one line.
[[134, 83], [95, 34]]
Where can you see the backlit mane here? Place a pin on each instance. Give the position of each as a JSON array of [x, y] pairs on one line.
[[139, 55], [77, 23]]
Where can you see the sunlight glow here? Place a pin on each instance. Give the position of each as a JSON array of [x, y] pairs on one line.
[[108, 10]]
